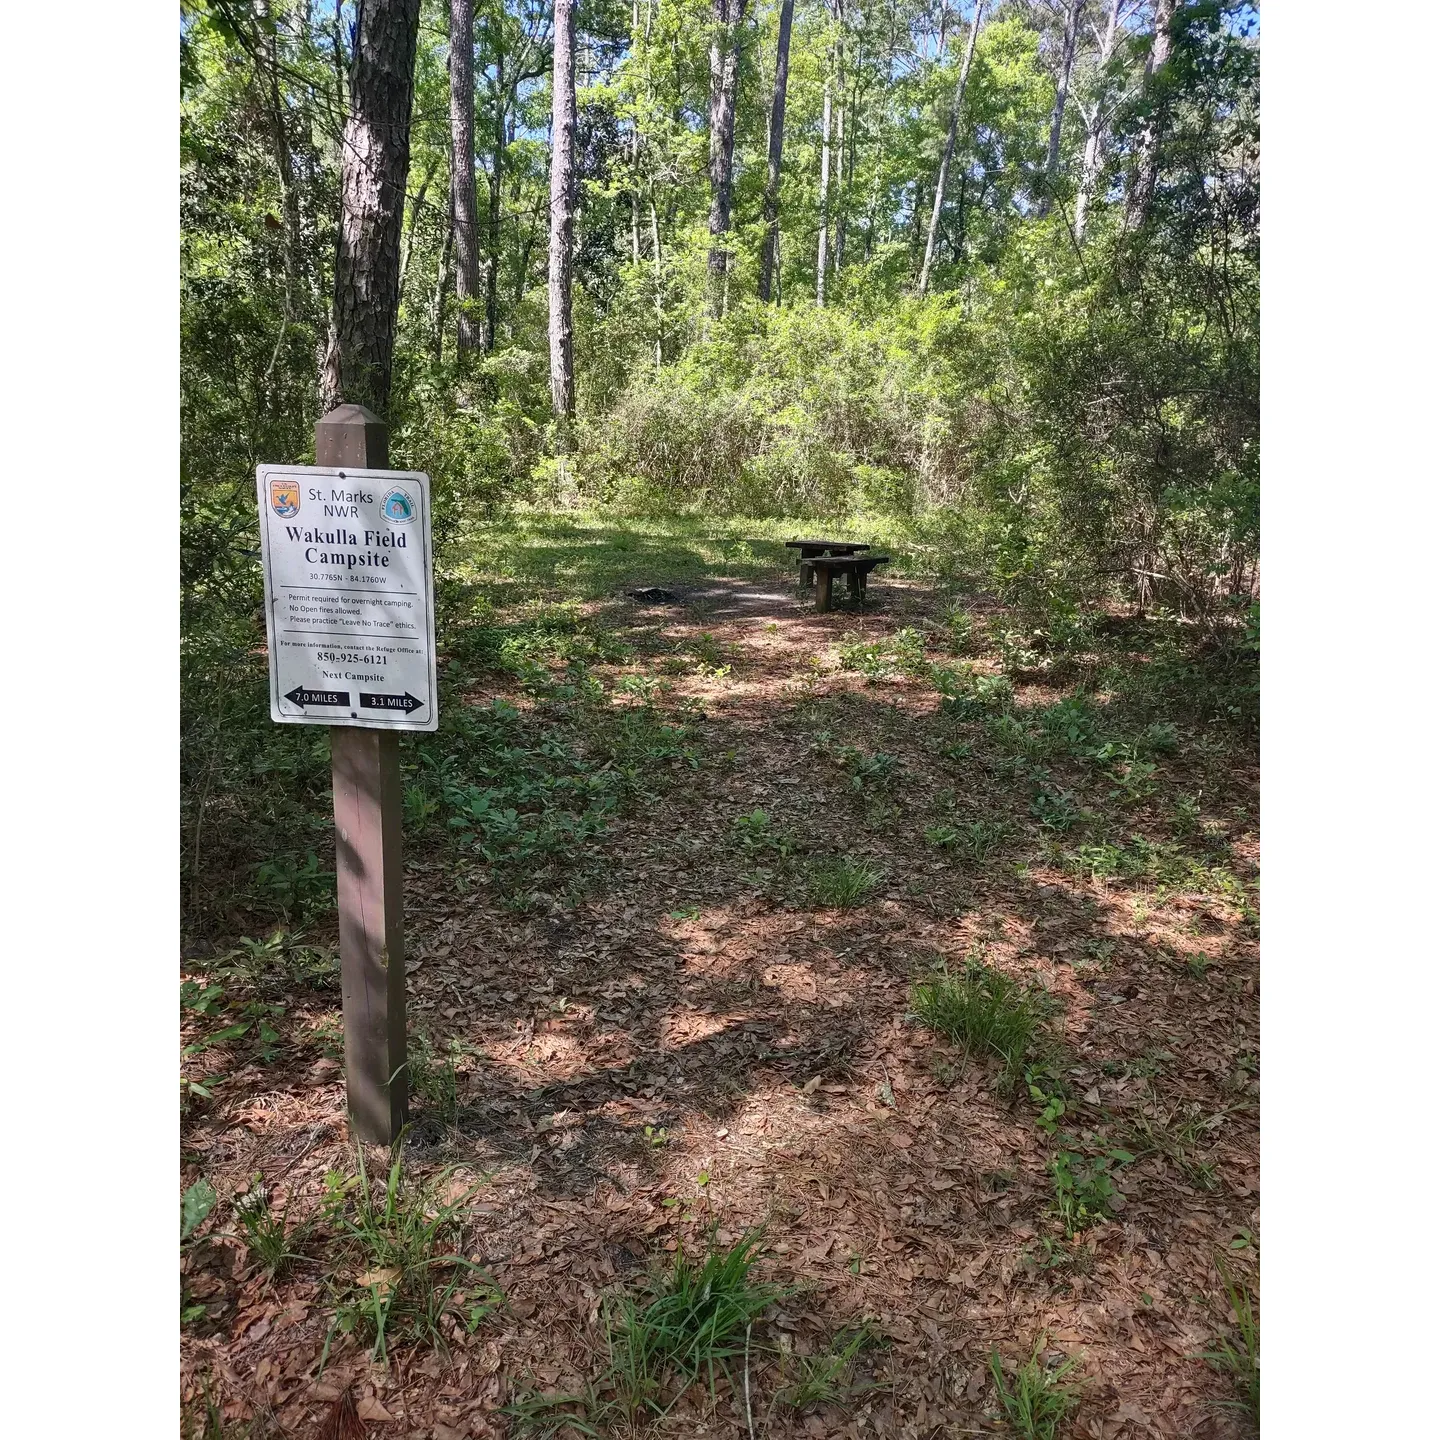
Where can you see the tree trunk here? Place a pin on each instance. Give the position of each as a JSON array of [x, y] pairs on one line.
[[562, 213], [724, 63], [769, 258], [1142, 180], [948, 153], [469, 324], [417, 206], [492, 234], [1095, 127], [374, 165], [659, 284], [840, 180], [437, 303], [824, 200], [1057, 114]]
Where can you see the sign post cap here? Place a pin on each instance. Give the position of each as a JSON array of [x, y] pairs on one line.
[[352, 435]]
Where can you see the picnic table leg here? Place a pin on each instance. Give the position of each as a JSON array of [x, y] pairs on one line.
[[856, 585], [822, 594], [807, 574]]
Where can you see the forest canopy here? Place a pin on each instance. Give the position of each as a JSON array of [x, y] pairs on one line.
[[1054, 369]]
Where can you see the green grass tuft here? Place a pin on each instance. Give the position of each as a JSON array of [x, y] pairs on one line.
[[843, 881], [983, 1010], [1238, 1354], [399, 1276], [698, 1317], [1037, 1402]]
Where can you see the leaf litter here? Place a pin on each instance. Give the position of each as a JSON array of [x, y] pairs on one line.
[[691, 1048]]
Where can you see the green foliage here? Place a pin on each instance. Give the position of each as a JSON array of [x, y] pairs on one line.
[[1036, 1400], [298, 886], [758, 835], [877, 770], [196, 1203], [900, 654], [828, 1378], [433, 1082], [985, 1011], [273, 1245], [695, 1319], [968, 696], [1085, 1192], [843, 881], [1236, 1353], [398, 1274]]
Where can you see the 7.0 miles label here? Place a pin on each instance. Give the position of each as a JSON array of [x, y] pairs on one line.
[[349, 613]]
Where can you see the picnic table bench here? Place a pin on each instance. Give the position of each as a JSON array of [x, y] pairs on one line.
[[857, 567]]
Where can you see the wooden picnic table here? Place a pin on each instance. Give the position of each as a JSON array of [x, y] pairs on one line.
[[810, 549]]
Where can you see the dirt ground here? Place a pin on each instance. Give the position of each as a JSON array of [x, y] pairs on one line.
[[694, 1046]]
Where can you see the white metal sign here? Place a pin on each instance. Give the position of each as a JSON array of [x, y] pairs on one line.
[[348, 596]]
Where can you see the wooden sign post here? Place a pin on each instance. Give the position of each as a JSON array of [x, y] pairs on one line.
[[350, 624], [369, 880]]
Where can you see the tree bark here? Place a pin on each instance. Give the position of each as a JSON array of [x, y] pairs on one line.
[[417, 207], [769, 256], [437, 302], [492, 234], [948, 153], [724, 64], [562, 213], [1057, 113], [820, 257], [1095, 125], [374, 166], [659, 284], [840, 178], [1142, 180], [469, 333]]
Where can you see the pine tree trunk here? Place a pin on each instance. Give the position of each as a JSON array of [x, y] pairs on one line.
[[769, 256], [724, 64], [1095, 128], [497, 180], [1057, 113], [840, 180], [469, 334], [1142, 180], [949, 152], [562, 213], [659, 284], [821, 255], [374, 166], [437, 302]]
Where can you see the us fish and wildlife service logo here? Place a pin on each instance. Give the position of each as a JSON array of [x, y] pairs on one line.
[[284, 496], [398, 506]]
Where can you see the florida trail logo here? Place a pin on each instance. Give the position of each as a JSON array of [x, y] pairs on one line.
[[284, 496], [398, 506]]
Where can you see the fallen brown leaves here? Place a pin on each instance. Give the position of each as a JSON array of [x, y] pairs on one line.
[[691, 1047]]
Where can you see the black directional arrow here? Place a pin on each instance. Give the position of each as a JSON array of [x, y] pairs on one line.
[[303, 697], [406, 702]]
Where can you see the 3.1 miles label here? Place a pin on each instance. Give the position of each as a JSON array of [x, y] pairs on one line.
[[349, 585]]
